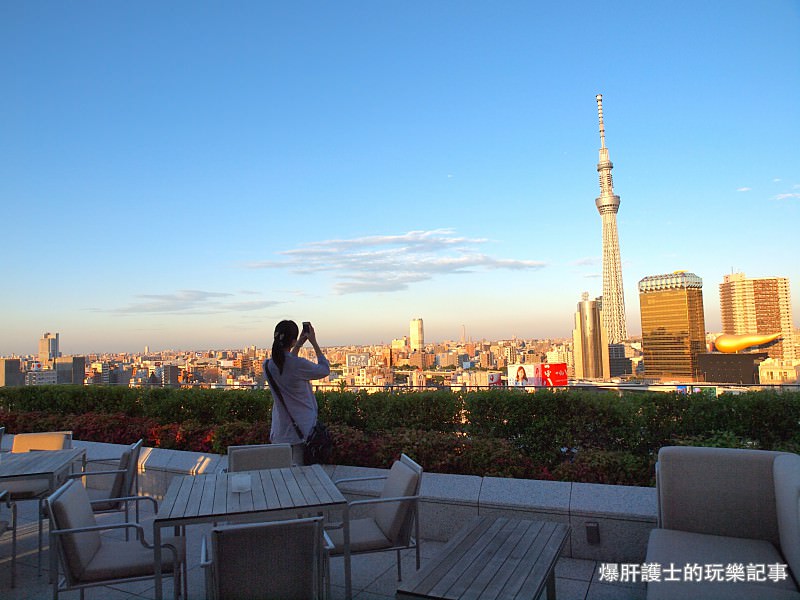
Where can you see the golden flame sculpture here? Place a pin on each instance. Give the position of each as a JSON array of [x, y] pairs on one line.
[[733, 343]]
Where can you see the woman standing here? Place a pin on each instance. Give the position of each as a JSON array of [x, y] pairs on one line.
[[293, 375]]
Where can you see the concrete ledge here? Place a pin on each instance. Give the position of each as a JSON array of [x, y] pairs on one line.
[[624, 517]]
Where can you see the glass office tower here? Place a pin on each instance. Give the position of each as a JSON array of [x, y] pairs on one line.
[[673, 325]]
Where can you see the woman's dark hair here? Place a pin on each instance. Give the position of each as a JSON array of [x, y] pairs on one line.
[[286, 333]]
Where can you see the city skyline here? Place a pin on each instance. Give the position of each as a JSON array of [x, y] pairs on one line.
[[184, 176]]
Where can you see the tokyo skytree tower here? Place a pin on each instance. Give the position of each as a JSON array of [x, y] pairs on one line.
[[613, 306]]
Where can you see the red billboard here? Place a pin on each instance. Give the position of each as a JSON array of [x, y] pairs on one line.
[[550, 374]]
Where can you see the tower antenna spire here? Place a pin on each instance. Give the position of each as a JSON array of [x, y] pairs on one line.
[[599, 99]]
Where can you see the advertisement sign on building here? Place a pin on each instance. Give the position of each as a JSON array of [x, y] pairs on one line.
[[358, 360], [537, 375], [550, 374]]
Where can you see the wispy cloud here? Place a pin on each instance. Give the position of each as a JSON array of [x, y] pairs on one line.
[[743, 189], [587, 261], [787, 196], [385, 263], [189, 302]]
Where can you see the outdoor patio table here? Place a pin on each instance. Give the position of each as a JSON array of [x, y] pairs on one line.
[[492, 557], [41, 464], [232, 497]]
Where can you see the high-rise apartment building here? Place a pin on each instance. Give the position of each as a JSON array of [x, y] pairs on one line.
[[759, 306], [10, 372], [589, 341], [673, 325], [608, 205], [70, 369], [48, 348], [416, 336]]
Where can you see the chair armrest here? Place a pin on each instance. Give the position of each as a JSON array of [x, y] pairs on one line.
[[92, 473], [136, 526], [205, 559], [369, 478], [109, 459], [328, 542], [129, 499], [381, 500]]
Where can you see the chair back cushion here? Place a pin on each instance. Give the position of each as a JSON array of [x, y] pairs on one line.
[[278, 559], [718, 491], [70, 509], [394, 517], [118, 485], [259, 456], [54, 440], [786, 471]]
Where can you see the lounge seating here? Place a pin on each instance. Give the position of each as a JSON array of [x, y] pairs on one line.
[[259, 456], [89, 559], [395, 515], [10, 525], [278, 559], [723, 506]]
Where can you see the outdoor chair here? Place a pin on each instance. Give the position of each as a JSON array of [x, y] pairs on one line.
[[49, 440], [395, 516], [284, 560], [89, 559], [124, 484], [726, 506], [36, 489], [259, 456], [10, 525]]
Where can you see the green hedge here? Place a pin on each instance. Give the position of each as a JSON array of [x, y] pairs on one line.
[[570, 435]]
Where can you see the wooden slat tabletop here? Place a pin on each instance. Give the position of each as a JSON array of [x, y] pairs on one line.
[[44, 462], [491, 558], [211, 497]]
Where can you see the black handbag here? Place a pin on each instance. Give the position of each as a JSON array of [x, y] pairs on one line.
[[317, 447]]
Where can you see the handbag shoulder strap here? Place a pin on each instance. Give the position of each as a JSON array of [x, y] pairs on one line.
[[277, 392]]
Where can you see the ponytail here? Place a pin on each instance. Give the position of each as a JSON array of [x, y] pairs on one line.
[[285, 334]]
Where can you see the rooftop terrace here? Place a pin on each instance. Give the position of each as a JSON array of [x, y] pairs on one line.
[[624, 516]]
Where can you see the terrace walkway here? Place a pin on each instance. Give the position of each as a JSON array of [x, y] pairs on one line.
[[374, 575]]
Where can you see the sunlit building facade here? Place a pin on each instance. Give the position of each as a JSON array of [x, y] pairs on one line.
[[416, 337], [589, 341], [673, 325], [759, 306]]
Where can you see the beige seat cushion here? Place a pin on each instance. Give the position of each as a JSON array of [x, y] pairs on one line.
[[259, 456], [679, 548], [390, 516], [718, 491], [118, 559], [55, 440], [117, 487], [786, 472], [365, 535], [72, 510]]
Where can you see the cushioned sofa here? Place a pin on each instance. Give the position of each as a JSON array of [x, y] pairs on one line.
[[727, 514]]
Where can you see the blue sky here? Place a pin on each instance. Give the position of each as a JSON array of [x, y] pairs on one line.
[[185, 174]]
